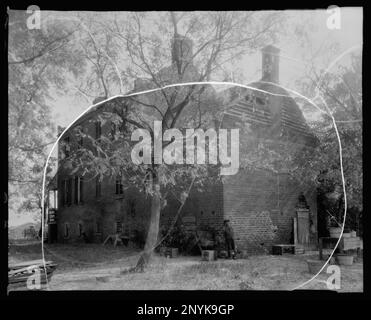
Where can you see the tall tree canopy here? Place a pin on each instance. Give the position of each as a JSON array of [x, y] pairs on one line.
[[162, 49], [340, 98], [37, 62]]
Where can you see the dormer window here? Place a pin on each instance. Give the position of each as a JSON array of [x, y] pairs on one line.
[[249, 98], [260, 101], [66, 147]]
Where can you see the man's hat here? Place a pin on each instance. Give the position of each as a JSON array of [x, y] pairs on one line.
[[226, 220]]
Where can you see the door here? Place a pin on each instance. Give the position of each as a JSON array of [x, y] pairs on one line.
[[52, 230], [303, 225]]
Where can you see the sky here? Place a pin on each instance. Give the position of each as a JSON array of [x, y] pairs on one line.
[[65, 109], [292, 56]]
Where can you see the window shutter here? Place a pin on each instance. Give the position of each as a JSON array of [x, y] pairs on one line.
[[76, 190], [69, 191], [97, 187], [81, 189]]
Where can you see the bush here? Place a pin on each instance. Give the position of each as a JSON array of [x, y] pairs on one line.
[[139, 238], [175, 237]]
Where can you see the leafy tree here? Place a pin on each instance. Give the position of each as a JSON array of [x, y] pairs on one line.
[[36, 60], [342, 100], [218, 37]]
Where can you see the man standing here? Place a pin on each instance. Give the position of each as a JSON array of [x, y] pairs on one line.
[[229, 239]]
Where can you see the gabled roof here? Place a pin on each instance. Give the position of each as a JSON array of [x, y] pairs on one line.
[[260, 110], [292, 118], [251, 107]]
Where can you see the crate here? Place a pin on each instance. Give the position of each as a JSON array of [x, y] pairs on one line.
[[208, 255], [171, 252], [223, 254], [19, 273], [162, 251], [299, 250], [280, 249]]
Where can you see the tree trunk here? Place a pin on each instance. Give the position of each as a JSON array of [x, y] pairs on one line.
[[153, 229]]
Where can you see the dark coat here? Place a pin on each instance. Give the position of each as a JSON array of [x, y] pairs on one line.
[[228, 232]]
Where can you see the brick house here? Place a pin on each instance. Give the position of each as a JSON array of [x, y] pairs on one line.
[[262, 205]]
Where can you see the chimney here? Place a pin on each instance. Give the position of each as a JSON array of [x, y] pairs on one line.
[[270, 64], [181, 49]]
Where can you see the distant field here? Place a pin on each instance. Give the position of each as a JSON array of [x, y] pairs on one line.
[[97, 267], [16, 232]]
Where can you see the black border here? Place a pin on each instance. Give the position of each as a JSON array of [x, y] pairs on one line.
[[133, 299]]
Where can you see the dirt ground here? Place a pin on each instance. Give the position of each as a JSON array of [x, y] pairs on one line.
[[97, 267]]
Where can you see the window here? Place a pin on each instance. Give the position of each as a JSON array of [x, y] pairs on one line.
[[69, 191], [131, 207], [249, 98], [98, 227], [119, 186], [81, 186], [78, 136], [98, 187], [80, 229], [67, 147], [53, 197], [77, 196], [66, 230], [118, 226], [64, 192], [98, 129], [79, 181], [260, 101]]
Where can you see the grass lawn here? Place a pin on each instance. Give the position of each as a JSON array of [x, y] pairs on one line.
[[97, 267]]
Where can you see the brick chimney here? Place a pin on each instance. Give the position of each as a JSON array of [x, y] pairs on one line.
[[270, 64], [181, 49]]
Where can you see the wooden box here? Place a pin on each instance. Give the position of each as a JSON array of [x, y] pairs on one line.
[[208, 255], [171, 252]]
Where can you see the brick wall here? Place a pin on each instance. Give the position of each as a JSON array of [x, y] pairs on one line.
[[259, 204], [261, 208], [206, 206], [130, 209]]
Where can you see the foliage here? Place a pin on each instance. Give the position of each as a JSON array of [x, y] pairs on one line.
[[36, 58], [174, 237], [342, 92], [218, 38]]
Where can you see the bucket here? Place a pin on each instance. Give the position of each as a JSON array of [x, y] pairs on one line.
[[347, 235], [345, 259], [335, 232], [314, 266], [208, 255]]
